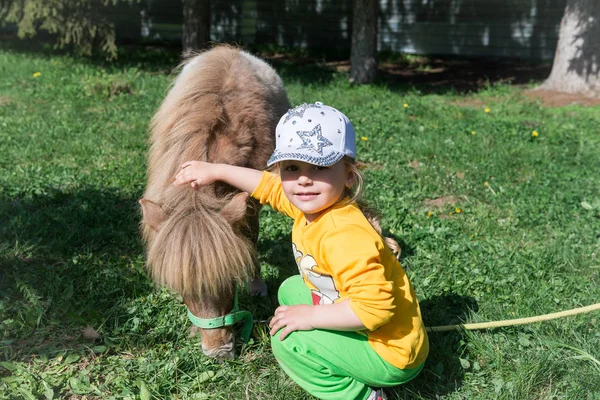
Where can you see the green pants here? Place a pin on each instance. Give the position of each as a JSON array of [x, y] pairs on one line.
[[332, 364]]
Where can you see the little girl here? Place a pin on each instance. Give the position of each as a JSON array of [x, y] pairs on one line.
[[350, 322]]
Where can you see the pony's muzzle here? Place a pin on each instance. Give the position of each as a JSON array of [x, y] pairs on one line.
[[224, 352]]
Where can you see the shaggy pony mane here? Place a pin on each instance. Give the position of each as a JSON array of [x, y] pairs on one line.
[[222, 108]]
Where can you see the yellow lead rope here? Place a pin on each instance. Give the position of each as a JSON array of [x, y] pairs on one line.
[[518, 321]]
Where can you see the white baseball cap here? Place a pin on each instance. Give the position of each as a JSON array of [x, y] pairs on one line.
[[313, 133]]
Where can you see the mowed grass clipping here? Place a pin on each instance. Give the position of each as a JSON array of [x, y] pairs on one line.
[[494, 198]]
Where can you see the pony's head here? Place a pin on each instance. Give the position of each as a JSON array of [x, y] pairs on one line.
[[202, 253]]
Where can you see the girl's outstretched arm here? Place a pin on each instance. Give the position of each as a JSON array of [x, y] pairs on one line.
[[200, 173]]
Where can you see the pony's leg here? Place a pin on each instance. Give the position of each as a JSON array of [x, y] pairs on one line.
[[256, 285]]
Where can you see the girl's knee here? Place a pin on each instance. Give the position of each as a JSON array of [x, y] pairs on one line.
[[278, 347], [293, 291], [289, 349]]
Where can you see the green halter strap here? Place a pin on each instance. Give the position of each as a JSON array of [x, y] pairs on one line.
[[232, 318]]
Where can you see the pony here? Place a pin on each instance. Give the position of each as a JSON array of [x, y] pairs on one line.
[[222, 107]]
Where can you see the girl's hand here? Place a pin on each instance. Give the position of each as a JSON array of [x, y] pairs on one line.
[[292, 318], [197, 173]]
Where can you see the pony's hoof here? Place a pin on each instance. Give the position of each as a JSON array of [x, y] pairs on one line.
[[257, 287]]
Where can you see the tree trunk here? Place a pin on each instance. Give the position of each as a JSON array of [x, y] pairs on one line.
[[363, 58], [576, 67], [196, 25]]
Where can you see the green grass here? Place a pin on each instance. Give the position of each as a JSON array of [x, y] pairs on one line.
[[515, 233]]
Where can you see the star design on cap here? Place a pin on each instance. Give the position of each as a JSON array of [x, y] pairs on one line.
[[298, 111], [314, 140]]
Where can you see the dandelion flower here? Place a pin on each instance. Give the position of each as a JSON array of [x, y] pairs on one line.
[[534, 133], [473, 132], [487, 110], [364, 138], [487, 185], [458, 210], [405, 105], [429, 214], [36, 74]]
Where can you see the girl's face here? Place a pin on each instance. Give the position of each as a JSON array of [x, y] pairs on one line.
[[313, 189]]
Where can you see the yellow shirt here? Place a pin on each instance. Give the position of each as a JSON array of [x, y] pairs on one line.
[[340, 256]]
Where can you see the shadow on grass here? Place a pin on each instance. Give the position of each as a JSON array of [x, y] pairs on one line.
[[443, 372], [158, 59], [460, 75], [427, 74], [67, 260], [277, 253]]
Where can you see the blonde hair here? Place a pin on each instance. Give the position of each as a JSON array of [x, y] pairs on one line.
[[355, 192], [354, 195]]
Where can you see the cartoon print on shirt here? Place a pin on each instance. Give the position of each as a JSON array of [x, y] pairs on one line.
[[322, 287]]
